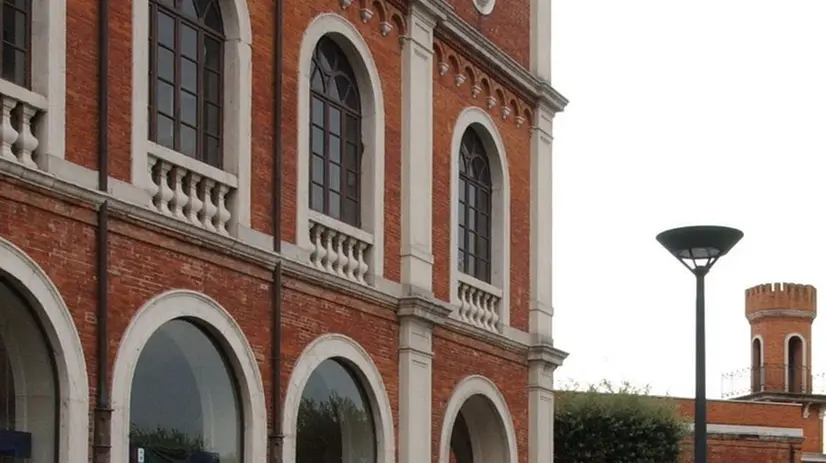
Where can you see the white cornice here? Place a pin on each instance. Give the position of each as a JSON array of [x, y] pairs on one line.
[[494, 56]]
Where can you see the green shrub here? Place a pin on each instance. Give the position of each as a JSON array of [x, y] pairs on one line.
[[608, 424]]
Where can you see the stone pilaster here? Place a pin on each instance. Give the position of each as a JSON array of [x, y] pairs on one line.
[[541, 39], [543, 359], [417, 315], [541, 309], [417, 148]]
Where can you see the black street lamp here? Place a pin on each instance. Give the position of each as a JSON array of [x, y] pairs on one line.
[[699, 248]]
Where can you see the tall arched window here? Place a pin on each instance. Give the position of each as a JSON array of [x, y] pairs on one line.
[[475, 189], [15, 21], [186, 41], [795, 365], [335, 135], [756, 365], [335, 422], [184, 400]]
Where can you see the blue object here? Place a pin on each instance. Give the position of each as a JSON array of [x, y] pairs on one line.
[[16, 444]]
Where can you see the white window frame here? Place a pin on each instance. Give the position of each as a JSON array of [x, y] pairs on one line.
[[479, 120], [368, 79], [237, 106]]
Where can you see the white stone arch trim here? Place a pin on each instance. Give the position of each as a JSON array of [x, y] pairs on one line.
[[759, 339], [480, 120], [331, 346], [471, 386], [173, 305], [804, 348], [73, 383], [368, 79], [237, 109]]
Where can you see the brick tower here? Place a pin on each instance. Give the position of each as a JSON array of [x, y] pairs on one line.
[[781, 316]]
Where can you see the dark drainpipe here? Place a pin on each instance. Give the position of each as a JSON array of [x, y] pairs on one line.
[[103, 412], [277, 437]]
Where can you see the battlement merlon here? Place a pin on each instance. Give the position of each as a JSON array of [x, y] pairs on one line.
[[781, 297]]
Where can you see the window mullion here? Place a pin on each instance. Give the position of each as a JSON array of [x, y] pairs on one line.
[[199, 101], [326, 149], [176, 96]]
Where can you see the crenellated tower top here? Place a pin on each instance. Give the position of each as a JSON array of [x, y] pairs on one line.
[[781, 299]]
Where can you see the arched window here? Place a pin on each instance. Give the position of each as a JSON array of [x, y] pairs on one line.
[[185, 77], [795, 365], [475, 190], [184, 400], [15, 21], [335, 135], [335, 422], [756, 365], [28, 385], [461, 449]]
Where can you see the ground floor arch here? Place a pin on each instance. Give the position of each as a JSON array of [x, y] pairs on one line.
[[477, 426], [44, 402]]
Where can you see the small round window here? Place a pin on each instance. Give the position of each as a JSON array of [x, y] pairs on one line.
[[184, 404], [484, 7], [335, 422]]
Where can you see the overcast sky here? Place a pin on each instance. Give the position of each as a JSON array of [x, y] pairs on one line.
[[682, 113]]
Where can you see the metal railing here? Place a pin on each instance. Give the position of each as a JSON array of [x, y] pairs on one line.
[[772, 378]]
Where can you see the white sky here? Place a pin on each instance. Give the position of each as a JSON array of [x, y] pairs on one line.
[[682, 113]]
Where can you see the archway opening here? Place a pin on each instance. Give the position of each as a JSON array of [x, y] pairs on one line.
[[28, 385], [184, 401], [335, 420], [756, 365], [795, 365], [478, 434]]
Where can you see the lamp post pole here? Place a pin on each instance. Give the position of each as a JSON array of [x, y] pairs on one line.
[[700, 409], [698, 248]]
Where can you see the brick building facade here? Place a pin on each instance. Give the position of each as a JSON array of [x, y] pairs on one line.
[[775, 408], [219, 244]]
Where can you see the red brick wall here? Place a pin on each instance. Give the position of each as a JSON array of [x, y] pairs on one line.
[[451, 101], [386, 52], [723, 449], [456, 357], [508, 26]]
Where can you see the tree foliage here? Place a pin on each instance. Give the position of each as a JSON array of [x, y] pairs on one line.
[[604, 423]]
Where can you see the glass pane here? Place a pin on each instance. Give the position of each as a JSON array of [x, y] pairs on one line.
[[188, 8], [317, 198], [14, 65], [334, 150], [343, 85], [462, 236], [14, 26], [318, 169], [461, 260], [213, 18], [335, 121], [483, 248], [317, 80], [483, 224], [471, 220], [462, 189], [166, 132], [325, 435], [189, 42], [188, 140], [462, 214], [166, 64], [28, 387], [213, 89], [352, 129], [350, 212], [189, 75], [352, 185], [335, 177], [166, 30], [334, 204], [213, 119], [471, 196], [318, 111], [184, 402], [470, 264], [212, 54], [470, 245], [212, 151], [351, 159], [189, 108], [317, 141], [165, 98]]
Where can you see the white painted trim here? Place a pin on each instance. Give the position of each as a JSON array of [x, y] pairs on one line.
[[479, 119], [762, 431], [467, 388], [809, 457], [169, 306], [372, 107], [330, 346], [804, 344], [48, 71], [759, 338], [68, 350], [237, 104]]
